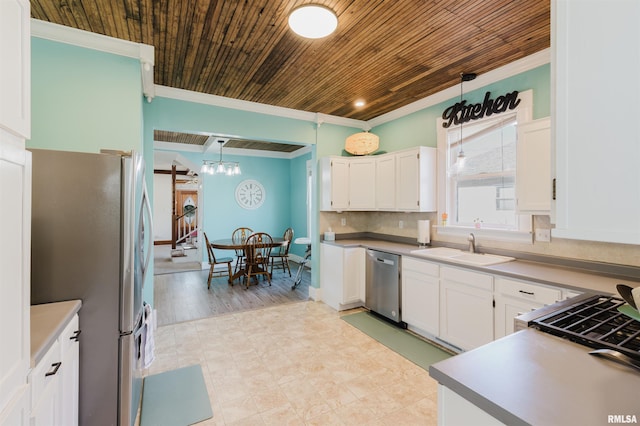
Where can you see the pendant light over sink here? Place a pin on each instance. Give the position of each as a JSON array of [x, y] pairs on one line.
[[313, 21], [461, 157]]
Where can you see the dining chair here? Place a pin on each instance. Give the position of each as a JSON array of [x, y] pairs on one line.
[[213, 262], [280, 254], [257, 251], [239, 236]]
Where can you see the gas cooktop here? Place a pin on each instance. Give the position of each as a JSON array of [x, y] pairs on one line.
[[594, 322]]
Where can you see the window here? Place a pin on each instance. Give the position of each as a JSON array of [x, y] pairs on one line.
[[482, 193]]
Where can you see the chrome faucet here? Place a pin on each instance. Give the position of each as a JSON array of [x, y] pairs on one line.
[[472, 243]]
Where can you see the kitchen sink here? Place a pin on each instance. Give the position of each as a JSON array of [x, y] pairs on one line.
[[459, 256], [480, 259], [441, 252]]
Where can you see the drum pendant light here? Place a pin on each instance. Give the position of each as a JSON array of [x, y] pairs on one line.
[[362, 143], [313, 21]]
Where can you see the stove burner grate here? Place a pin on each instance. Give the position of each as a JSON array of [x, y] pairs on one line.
[[597, 323]]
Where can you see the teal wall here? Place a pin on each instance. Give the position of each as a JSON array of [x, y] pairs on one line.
[[84, 100], [327, 139], [183, 116], [419, 128], [297, 201], [284, 205]]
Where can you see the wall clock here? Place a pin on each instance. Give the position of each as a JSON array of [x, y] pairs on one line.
[[250, 194]]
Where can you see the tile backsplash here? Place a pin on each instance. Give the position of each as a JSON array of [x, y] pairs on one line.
[[406, 225]]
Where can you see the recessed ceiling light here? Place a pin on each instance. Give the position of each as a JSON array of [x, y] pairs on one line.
[[313, 21], [359, 103]]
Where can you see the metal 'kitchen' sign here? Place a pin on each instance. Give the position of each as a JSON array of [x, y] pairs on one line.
[[462, 113]]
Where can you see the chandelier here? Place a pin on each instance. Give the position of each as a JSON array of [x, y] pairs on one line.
[[229, 168]]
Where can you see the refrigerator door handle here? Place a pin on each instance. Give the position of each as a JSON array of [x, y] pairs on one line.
[[147, 210]]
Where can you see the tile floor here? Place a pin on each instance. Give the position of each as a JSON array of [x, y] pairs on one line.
[[297, 364]]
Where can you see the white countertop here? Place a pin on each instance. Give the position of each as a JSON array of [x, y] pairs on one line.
[[47, 322]]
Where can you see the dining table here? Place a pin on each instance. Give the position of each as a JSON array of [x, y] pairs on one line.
[[229, 244]]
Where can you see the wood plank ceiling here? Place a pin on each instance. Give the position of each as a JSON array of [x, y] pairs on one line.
[[388, 53]]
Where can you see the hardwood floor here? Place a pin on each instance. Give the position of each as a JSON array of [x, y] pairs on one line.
[[184, 296]]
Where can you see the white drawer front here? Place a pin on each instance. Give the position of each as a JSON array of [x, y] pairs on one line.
[[69, 336], [528, 291], [42, 376], [421, 266], [470, 278]]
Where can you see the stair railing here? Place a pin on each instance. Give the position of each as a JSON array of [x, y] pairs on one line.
[[186, 226]]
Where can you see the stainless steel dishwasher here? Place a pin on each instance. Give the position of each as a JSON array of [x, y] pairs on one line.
[[383, 293]]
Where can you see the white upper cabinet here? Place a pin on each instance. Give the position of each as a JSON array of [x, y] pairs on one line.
[[595, 68], [400, 181], [533, 170], [334, 172], [416, 180], [386, 182], [15, 67], [362, 178]]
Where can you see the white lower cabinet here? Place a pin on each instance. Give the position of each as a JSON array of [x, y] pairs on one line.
[[54, 381], [456, 410], [46, 388], [421, 296], [16, 412], [514, 298], [466, 307], [70, 378], [342, 276]]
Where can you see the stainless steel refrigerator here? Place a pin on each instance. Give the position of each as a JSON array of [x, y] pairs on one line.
[[91, 237]]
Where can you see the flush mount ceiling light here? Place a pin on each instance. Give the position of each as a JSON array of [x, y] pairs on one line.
[[220, 167], [313, 21], [359, 103]]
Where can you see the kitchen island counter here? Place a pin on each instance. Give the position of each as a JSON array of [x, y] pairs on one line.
[[531, 377], [591, 280], [47, 322]]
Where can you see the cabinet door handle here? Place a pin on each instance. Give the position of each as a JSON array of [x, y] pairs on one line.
[[76, 335], [56, 366], [530, 293]]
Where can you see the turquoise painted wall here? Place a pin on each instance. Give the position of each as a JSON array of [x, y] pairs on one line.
[[183, 116], [284, 181], [84, 100], [328, 139], [419, 128], [297, 200]]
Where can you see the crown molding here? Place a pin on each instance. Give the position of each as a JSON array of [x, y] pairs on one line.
[[525, 64], [238, 104], [89, 40]]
